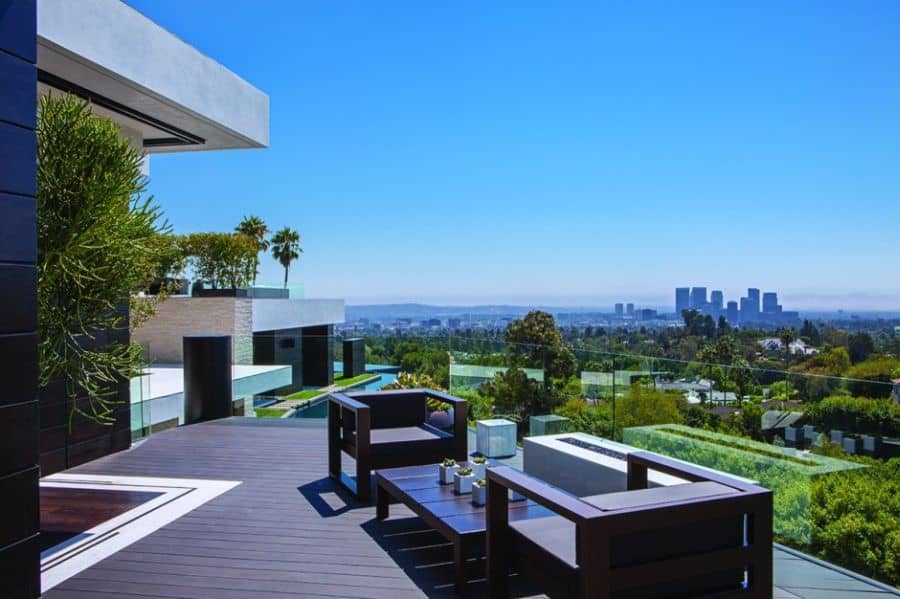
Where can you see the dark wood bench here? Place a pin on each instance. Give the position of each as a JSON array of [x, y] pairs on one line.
[[709, 537], [388, 429]]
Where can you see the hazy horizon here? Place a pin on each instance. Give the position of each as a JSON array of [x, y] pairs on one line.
[[803, 303]]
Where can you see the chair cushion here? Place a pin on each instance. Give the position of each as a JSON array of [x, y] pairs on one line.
[[405, 434], [642, 497], [556, 534]]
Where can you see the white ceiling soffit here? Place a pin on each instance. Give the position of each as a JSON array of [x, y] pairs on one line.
[[122, 61]]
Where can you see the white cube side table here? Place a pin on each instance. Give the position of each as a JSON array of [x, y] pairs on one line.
[[496, 438]]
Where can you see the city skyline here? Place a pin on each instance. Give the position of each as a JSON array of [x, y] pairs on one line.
[[728, 146]]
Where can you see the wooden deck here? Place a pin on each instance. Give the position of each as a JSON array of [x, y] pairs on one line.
[[287, 531]]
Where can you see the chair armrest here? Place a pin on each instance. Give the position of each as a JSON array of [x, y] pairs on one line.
[[639, 462], [540, 492], [347, 402], [445, 397]]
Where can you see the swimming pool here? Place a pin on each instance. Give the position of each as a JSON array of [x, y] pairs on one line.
[[319, 408]]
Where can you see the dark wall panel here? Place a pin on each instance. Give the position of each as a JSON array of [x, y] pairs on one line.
[[16, 95], [318, 355], [18, 280], [19, 409], [20, 493], [19, 446], [19, 152], [18, 365], [18, 29], [18, 229], [283, 346]]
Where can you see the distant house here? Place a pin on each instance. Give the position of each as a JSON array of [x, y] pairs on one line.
[[774, 344]]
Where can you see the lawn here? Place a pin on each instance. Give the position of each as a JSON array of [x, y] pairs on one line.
[[269, 413], [308, 394], [339, 381]]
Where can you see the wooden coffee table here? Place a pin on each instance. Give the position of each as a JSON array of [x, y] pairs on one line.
[[454, 516]]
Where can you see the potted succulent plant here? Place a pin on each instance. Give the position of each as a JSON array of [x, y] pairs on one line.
[[479, 465], [447, 468], [479, 492], [462, 480]]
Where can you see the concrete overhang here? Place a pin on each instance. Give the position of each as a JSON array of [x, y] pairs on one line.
[[162, 90], [278, 314]]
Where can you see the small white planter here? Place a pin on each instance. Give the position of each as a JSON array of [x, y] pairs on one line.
[[478, 469], [463, 484], [447, 473], [479, 495]]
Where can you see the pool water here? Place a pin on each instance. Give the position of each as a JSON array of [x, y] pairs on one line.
[[319, 407]]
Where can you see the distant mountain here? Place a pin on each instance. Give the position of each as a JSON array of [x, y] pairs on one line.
[[423, 311]]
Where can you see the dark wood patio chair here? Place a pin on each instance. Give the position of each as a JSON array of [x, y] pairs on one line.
[[710, 537], [388, 429]]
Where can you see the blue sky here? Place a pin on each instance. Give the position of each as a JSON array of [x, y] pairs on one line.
[[568, 153]]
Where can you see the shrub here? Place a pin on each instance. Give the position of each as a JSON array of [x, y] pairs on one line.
[[872, 378], [855, 516], [856, 415], [98, 243]]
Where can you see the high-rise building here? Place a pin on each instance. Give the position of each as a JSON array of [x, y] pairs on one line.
[[646, 314], [753, 296], [747, 314], [629, 309], [698, 298], [731, 312], [620, 310], [770, 302], [682, 299], [716, 300]]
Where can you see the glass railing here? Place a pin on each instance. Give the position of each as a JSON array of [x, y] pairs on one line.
[[822, 443]]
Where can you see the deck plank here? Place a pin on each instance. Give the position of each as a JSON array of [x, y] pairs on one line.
[[285, 531]]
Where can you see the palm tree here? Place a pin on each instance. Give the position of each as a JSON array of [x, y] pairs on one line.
[[255, 228], [286, 248]]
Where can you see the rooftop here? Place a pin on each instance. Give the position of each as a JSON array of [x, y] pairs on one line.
[[285, 530]]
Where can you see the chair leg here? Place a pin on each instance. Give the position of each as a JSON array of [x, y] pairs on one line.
[[382, 503], [363, 479]]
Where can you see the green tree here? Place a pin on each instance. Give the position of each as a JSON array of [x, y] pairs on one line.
[[535, 342], [223, 260], [255, 228], [98, 242], [642, 406], [515, 394], [787, 336], [860, 346], [810, 333], [286, 248]]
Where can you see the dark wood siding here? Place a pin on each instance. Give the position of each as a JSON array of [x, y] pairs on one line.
[[19, 557]]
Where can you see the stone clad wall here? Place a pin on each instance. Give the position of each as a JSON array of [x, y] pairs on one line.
[[181, 315]]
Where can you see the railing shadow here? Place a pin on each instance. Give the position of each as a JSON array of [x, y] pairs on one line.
[[330, 499]]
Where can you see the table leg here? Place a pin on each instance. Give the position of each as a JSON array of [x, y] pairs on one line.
[[459, 566]]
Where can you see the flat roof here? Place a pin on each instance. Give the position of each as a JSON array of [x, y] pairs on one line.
[[146, 78]]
